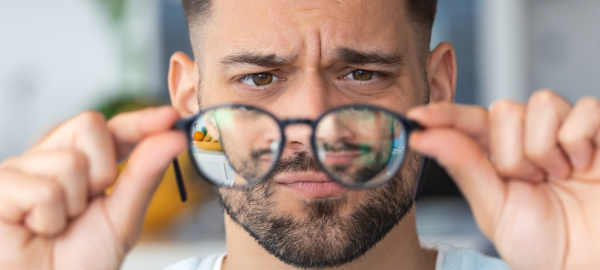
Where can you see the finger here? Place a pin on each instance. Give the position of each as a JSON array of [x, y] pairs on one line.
[[130, 128], [68, 168], [37, 202], [580, 133], [471, 120], [470, 168], [507, 120], [87, 133], [137, 183], [545, 113]]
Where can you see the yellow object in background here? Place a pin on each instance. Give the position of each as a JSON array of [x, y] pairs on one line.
[[208, 138], [206, 142], [166, 204], [215, 146], [198, 136]]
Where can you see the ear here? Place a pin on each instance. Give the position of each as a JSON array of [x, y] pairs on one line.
[[441, 73], [183, 84]]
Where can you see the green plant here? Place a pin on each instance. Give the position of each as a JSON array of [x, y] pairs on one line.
[[115, 9]]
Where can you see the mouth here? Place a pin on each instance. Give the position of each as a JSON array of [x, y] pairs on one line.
[[311, 185]]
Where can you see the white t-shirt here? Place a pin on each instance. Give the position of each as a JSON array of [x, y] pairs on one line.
[[448, 258]]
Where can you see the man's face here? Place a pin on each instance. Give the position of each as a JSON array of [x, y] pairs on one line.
[[298, 59]]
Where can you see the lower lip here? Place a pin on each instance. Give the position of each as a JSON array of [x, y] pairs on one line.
[[317, 189]]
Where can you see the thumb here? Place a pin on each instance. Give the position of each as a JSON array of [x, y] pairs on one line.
[[136, 185], [470, 168]]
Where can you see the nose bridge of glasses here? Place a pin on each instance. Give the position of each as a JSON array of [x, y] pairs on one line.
[[296, 121], [297, 132]]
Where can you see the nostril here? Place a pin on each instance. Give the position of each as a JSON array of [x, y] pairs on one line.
[[297, 146]]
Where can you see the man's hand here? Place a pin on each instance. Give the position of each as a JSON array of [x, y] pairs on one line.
[[530, 172], [53, 211]]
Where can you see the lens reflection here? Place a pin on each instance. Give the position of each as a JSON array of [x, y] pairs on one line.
[[360, 146], [249, 141]]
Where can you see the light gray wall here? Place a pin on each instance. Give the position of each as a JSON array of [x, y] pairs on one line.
[[58, 58], [564, 46], [501, 50]]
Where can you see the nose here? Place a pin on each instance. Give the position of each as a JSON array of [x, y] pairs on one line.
[[308, 100]]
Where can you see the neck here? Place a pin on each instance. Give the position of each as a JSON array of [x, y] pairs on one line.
[[399, 249]]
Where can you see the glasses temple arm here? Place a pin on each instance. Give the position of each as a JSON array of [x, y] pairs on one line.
[[179, 179]]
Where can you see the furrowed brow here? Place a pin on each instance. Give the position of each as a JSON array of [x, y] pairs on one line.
[[355, 57], [248, 58]]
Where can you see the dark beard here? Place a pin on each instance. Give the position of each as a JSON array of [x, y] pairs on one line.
[[323, 238]]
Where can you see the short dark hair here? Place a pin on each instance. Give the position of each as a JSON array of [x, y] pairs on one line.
[[420, 11], [194, 9]]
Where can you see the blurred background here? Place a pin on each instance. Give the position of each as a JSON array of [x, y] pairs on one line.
[[60, 57]]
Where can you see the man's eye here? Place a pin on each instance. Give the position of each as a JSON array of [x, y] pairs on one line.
[[259, 79], [362, 75]]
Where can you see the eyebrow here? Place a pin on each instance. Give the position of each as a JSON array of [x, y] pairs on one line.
[[355, 57], [343, 54], [266, 61]]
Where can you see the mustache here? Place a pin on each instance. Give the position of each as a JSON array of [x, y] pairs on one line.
[[256, 154], [298, 162], [346, 146]]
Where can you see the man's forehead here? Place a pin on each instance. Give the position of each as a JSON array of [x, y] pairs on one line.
[[287, 27]]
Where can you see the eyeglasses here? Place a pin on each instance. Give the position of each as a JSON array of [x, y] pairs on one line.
[[237, 146]]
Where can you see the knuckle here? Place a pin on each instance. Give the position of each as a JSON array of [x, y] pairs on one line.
[[50, 192], [543, 96], [568, 137], [92, 118], [589, 103], [74, 160], [504, 106], [506, 167], [536, 152]]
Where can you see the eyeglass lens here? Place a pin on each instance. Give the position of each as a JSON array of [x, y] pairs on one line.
[[360, 147], [238, 146]]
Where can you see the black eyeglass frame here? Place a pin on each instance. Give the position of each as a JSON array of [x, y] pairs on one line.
[[187, 124]]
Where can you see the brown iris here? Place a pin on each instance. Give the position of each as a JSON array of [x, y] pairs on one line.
[[362, 75], [262, 79]]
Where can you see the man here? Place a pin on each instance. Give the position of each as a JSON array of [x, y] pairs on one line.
[[530, 172]]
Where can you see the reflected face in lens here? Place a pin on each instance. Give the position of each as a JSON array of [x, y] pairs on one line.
[[250, 140], [356, 145]]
